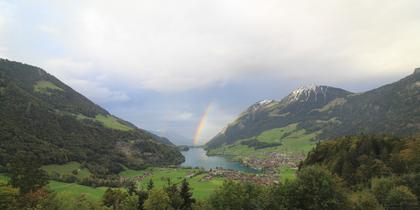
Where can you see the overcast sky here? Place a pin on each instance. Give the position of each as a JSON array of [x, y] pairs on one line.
[[159, 63]]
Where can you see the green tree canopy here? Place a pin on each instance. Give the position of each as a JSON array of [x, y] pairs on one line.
[[158, 200], [26, 174]]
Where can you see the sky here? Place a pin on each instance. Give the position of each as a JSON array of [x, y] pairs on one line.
[[162, 64]]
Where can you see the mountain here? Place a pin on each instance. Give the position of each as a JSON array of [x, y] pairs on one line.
[[175, 137], [269, 114], [320, 112], [160, 138], [43, 117]]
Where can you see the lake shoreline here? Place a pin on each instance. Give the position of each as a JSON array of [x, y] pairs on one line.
[[197, 157]]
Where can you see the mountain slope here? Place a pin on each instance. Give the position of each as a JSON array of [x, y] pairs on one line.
[[43, 117], [269, 114], [176, 138], [327, 112]]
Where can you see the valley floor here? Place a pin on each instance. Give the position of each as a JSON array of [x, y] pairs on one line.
[[202, 183], [201, 188]]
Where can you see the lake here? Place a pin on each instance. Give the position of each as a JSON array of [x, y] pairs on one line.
[[197, 157]]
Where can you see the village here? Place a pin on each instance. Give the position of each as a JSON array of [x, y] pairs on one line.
[[273, 161], [258, 178], [267, 167]]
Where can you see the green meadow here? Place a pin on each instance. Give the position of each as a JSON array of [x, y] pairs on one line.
[[292, 139], [44, 86], [107, 120], [112, 122], [286, 173], [201, 189], [3, 179], [73, 190], [67, 168]]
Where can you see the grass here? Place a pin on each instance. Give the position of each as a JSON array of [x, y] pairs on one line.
[[201, 189], [67, 169], [111, 122], [287, 173], [275, 135], [107, 120], [293, 140], [44, 86], [69, 190], [72, 190], [3, 179]]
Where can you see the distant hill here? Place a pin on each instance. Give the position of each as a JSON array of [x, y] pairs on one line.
[[320, 112], [45, 118], [175, 138]]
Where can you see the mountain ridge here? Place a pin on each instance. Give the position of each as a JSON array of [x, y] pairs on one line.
[[330, 112], [42, 117]]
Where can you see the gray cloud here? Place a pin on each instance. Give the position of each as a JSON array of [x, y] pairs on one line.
[[107, 49], [168, 46]]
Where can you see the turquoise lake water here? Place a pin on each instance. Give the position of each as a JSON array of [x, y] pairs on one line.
[[196, 157]]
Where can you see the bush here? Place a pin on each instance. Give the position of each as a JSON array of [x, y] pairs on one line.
[[401, 198]]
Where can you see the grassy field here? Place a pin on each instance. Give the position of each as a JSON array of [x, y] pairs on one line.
[[72, 190], [107, 120], [3, 179], [69, 190], [287, 173], [200, 189], [292, 139], [67, 169], [43, 86], [112, 122]]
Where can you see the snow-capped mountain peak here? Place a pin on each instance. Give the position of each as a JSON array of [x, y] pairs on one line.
[[313, 93]]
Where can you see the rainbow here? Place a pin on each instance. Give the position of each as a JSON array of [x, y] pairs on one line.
[[201, 125]]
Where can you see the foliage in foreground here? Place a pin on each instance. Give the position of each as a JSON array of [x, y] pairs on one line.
[[318, 185]]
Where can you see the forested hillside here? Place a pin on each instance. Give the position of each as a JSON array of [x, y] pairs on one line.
[[44, 118]]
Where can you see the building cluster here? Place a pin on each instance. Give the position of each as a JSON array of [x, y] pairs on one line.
[[265, 179], [142, 177], [274, 160]]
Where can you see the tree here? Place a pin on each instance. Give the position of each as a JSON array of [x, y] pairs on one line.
[[401, 198], [316, 188], [150, 185], [142, 197], [131, 187], [130, 203], [158, 200], [174, 196], [238, 196], [26, 174], [365, 200], [8, 198], [186, 196], [380, 187], [277, 198], [114, 198]]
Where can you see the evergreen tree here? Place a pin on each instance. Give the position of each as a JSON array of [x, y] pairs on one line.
[[186, 196], [142, 197], [158, 200], [114, 198], [26, 174], [174, 196], [131, 188], [150, 185]]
